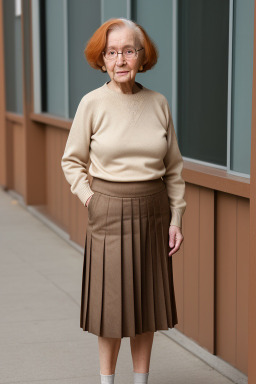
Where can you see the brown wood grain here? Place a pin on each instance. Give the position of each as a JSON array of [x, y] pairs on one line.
[[194, 268], [206, 270], [191, 264], [226, 270], [18, 159], [243, 253]]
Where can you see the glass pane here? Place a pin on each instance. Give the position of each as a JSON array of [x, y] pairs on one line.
[[157, 21], [83, 20], [242, 73], [113, 8], [203, 79], [13, 58], [54, 62]]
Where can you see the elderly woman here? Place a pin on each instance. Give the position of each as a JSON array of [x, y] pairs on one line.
[[135, 201]]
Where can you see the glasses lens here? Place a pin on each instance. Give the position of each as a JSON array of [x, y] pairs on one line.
[[129, 53], [110, 54]]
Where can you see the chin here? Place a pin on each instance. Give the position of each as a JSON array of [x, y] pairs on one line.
[[122, 79]]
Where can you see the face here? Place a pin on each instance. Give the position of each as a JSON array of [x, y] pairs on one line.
[[123, 70]]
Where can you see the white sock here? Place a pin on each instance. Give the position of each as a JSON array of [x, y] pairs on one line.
[[141, 378], [107, 379]]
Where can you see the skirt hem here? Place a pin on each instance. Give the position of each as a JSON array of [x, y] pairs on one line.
[[133, 335]]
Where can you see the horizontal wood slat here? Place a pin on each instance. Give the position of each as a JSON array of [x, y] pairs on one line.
[[216, 179]]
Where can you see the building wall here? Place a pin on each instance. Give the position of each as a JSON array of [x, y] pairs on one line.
[[211, 273], [211, 270]]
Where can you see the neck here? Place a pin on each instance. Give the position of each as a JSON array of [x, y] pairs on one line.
[[128, 87]]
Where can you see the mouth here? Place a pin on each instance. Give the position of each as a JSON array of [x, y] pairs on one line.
[[122, 72]]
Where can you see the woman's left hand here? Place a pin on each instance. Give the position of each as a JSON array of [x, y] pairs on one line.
[[175, 238]]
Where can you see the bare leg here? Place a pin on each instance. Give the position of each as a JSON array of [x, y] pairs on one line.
[[141, 346], [108, 353]]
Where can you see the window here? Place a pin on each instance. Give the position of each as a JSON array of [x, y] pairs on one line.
[[203, 79], [115, 8], [157, 21], [61, 72]]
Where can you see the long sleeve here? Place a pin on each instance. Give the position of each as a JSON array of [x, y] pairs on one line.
[[76, 154], [173, 179]]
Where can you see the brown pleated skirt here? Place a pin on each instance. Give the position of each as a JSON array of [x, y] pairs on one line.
[[127, 280]]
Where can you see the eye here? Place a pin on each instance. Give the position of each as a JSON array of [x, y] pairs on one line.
[[129, 51], [111, 52]]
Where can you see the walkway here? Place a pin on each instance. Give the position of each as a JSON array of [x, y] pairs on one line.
[[40, 338]]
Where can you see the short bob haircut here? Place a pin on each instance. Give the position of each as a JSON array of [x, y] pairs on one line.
[[97, 43]]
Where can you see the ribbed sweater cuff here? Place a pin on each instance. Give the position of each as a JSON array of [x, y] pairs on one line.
[[84, 193], [176, 217]]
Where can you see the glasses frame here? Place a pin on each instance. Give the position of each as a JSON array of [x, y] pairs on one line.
[[121, 53]]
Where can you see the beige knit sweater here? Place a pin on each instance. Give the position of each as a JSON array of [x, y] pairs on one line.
[[128, 137]]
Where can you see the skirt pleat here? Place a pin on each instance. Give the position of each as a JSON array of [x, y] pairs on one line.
[[127, 279], [136, 238], [143, 263], [149, 271], [112, 297], [96, 284], [86, 277], [127, 270]]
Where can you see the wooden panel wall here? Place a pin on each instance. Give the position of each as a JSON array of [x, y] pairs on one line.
[[15, 157], [211, 273], [62, 206], [18, 159], [194, 268], [232, 283]]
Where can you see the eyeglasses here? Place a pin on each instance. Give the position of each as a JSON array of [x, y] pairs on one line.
[[128, 53]]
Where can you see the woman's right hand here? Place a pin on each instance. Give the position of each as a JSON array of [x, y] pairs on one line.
[[88, 201]]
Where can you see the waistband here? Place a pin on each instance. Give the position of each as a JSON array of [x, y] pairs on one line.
[[127, 188]]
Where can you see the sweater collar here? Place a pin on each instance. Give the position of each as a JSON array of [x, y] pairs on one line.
[[124, 95]]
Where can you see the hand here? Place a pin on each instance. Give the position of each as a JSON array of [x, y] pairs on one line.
[[175, 238], [88, 201]]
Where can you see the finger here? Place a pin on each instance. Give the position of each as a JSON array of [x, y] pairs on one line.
[[172, 239], [177, 246], [174, 250]]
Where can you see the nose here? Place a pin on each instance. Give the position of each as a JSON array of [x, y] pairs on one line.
[[120, 59]]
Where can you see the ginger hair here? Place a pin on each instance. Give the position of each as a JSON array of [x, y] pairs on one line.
[[96, 44]]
